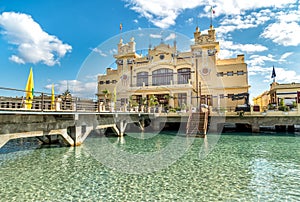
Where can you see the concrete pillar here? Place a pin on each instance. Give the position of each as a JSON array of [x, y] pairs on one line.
[[3, 140], [81, 134], [189, 98], [171, 100], [175, 79], [156, 125], [255, 128], [123, 125], [100, 106]]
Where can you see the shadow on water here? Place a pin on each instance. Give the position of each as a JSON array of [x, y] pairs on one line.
[[25, 144], [281, 134]]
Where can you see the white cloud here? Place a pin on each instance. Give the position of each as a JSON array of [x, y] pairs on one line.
[[283, 75], [155, 36], [231, 23], [283, 33], [16, 59], [164, 13], [233, 7], [284, 56], [259, 60], [113, 51], [100, 52], [33, 44], [285, 30], [229, 49], [190, 21], [225, 53], [288, 16], [170, 37], [258, 70], [77, 88]]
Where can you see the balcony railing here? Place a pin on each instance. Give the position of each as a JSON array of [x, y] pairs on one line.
[[172, 83], [43, 102]]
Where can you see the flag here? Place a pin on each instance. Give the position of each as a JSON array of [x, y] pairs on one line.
[[273, 73], [212, 10], [29, 90], [52, 98], [121, 26]]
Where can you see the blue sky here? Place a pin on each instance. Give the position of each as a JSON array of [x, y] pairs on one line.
[[56, 37]]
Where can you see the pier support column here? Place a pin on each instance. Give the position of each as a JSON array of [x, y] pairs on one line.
[[156, 125], [255, 128], [3, 140], [123, 125], [81, 133]]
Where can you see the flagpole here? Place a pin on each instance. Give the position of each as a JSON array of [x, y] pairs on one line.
[[211, 11], [211, 15], [121, 28]]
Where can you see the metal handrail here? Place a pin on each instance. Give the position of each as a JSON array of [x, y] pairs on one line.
[[43, 102]]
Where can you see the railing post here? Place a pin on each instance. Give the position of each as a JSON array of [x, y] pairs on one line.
[[76, 104], [42, 107]]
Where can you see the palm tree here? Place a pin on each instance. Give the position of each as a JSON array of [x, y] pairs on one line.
[[106, 94], [143, 103], [168, 97], [153, 101]]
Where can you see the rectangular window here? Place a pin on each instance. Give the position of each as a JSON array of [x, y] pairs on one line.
[[219, 74], [230, 96], [203, 99], [124, 101], [184, 75], [142, 78], [239, 73], [101, 82], [107, 82], [230, 73], [162, 76], [209, 100], [181, 99], [221, 96]]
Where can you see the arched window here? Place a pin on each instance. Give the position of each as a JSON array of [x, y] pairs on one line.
[[142, 77], [184, 75], [162, 76]]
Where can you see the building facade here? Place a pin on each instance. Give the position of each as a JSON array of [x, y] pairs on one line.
[[176, 79], [287, 93], [262, 101]]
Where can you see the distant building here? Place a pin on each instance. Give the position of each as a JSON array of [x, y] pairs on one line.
[[288, 92], [262, 101], [177, 79]]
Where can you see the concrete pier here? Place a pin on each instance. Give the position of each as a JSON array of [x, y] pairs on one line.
[[74, 127]]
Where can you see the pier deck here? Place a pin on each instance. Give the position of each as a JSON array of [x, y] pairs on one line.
[[74, 126]]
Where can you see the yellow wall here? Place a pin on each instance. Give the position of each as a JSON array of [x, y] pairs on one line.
[[204, 76]]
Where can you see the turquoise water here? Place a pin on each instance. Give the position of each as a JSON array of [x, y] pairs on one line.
[[238, 168]]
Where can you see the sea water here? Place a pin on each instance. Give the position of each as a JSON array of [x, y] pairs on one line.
[[239, 167]]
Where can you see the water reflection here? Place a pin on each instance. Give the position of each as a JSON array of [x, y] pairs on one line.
[[247, 168]]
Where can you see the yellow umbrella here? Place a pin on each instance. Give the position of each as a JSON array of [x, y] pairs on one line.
[[52, 98], [29, 90]]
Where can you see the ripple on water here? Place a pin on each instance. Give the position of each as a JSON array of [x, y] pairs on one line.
[[248, 168]]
